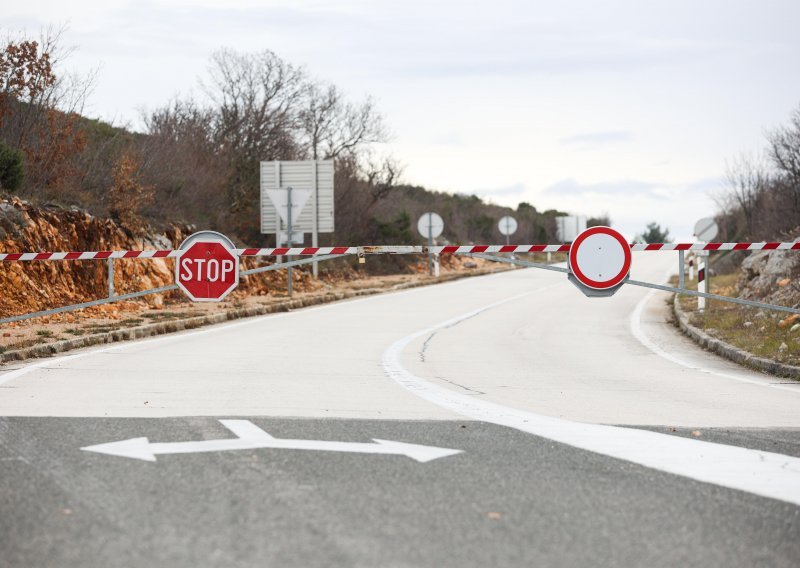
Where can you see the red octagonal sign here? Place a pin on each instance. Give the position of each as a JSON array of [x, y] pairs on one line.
[[208, 269]]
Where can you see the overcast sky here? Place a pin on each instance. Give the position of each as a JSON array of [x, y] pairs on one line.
[[625, 107]]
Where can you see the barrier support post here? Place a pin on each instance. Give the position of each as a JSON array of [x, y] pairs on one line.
[[681, 270], [701, 282], [111, 291]]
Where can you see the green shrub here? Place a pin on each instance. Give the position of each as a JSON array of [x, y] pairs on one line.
[[12, 170]]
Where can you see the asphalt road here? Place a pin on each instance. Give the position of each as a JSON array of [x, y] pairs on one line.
[[536, 427]]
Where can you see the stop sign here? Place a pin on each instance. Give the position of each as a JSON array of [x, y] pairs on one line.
[[208, 269]]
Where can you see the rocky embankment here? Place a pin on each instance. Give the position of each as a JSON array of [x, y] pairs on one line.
[[768, 340], [771, 276], [29, 286]]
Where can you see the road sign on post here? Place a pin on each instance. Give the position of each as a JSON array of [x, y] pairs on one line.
[[280, 200], [317, 216], [705, 230], [430, 225], [297, 238], [289, 203], [507, 226], [569, 227], [208, 268], [599, 261]]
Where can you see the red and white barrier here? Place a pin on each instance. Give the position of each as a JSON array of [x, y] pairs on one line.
[[98, 255], [716, 246], [390, 249]]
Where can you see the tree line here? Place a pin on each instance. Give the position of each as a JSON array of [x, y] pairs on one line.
[[197, 160], [761, 200]]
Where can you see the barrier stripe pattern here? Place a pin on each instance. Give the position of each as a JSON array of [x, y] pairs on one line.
[[389, 249], [97, 255]]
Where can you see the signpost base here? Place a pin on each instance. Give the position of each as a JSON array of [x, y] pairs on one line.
[[593, 293]]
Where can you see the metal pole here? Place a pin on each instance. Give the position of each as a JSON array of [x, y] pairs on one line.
[[701, 282], [430, 243], [315, 227], [508, 239], [289, 237], [279, 259], [681, 270], [111, 278]]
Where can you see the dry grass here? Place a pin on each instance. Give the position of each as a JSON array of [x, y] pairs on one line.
[[752, 329]]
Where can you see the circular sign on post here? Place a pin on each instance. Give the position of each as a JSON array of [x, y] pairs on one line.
[[706, 229], [430, 225], [208, 269], [507, 225], [599, 258]]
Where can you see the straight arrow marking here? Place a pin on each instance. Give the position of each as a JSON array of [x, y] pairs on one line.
[[249, 437]]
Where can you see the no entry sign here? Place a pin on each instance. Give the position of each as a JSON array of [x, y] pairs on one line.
[[600, 259], [208, 268]]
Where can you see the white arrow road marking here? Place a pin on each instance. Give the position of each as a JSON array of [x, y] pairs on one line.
[[250, 437], [762, 473]]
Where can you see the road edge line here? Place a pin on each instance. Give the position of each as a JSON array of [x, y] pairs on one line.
[[767, 474]]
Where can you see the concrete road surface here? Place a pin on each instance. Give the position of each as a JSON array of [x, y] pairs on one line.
[[504, 420]]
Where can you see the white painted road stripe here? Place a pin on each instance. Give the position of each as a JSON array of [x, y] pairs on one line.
[[251, 437], [766, 474], [636, 330]]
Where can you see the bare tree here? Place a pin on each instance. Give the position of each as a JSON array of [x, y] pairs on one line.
[[784, 146], [333, 127], [318, 116], [256, 98], [748, 179], [784, 151], [382, 174], [255, 101], [181, 159]]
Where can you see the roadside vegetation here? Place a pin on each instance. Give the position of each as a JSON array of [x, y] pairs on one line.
[[761, 202], [653, 233], [196, 159], [764, 333]]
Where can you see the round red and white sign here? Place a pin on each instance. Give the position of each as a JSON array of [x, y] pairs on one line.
[[599, 258]]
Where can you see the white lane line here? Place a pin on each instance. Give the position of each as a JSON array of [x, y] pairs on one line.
[[766, 474], [639, 334]]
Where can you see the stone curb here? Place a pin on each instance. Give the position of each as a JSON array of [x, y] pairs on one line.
[[160, 328], [728, 351]]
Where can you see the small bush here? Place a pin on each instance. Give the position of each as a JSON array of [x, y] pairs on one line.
[[12, 170]]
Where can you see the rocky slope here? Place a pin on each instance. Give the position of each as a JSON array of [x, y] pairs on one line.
[[771, 276], [28, 286]]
